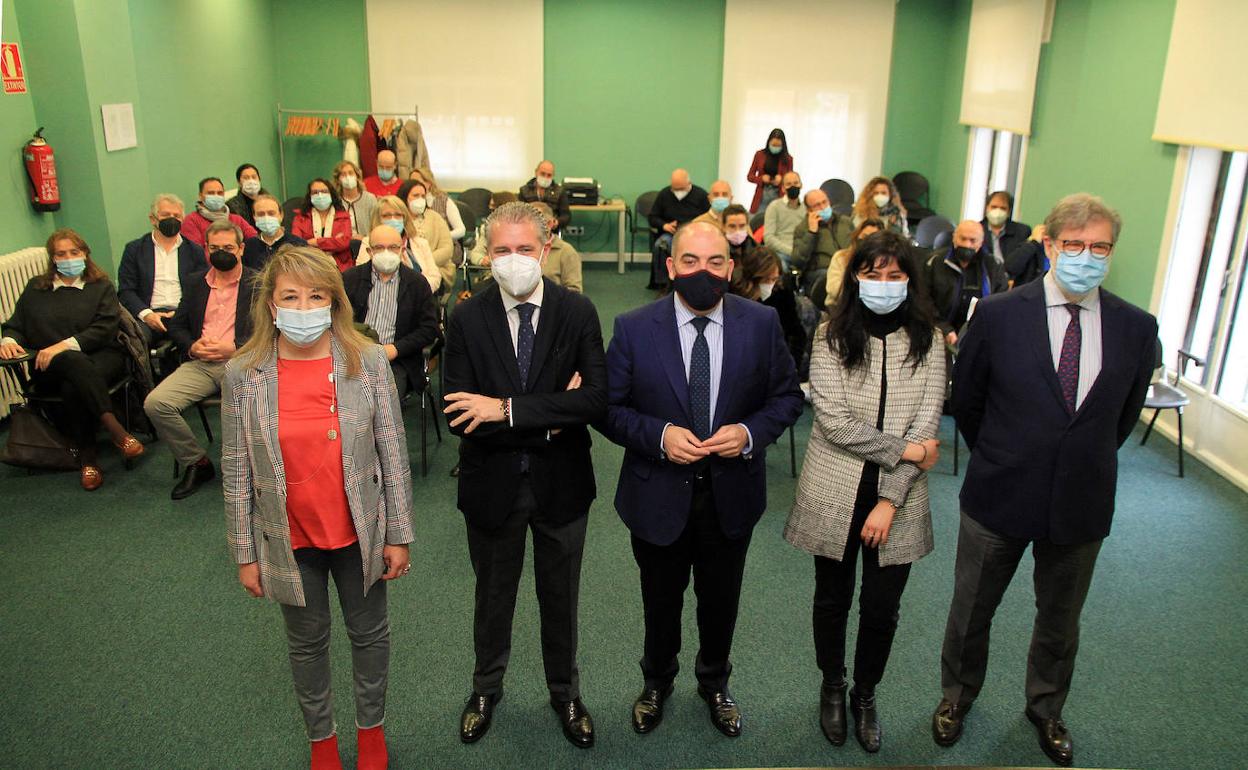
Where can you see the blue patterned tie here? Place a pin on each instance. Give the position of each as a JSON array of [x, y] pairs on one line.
[[524, 341], [1068, 363], [700, 380]]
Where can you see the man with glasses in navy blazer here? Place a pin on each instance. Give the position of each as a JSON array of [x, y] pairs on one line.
[[700, 383], [1049, 382]]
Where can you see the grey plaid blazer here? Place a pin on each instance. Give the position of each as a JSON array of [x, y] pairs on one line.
[[374, 466], [843, 436]]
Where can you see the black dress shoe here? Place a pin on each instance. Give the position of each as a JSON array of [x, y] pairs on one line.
[[577, 724], [866, 718], [832, 712], [648, 709], [947, 722], [725, 713], [192, 479], [1054, 738], [474, 722]]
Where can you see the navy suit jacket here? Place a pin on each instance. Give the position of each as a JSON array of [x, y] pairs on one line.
[[1036, 471], [187, 324], [647, 388], [136, 275]]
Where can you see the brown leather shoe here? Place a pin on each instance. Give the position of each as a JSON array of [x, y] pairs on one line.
[[130, 447], [92, 479]]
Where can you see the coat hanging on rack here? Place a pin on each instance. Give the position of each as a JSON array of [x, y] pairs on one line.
[[368, 147], [351, 141], [410, 148]]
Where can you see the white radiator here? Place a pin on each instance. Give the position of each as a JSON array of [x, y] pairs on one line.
[[16, 270]]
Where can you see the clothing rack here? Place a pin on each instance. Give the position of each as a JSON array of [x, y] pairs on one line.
[[284, 111]]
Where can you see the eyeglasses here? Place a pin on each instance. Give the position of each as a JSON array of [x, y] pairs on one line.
[[1099, 249]]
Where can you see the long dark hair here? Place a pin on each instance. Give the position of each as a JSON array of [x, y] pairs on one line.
[[777, 133], [847, 331], [335, 203]]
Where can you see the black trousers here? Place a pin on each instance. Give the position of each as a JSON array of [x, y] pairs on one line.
[[82, 380], [878, 604], [986, 563], [718, 564], [497, 559]]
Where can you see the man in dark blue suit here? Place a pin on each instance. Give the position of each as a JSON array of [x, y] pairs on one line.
[[1049, 382], [699, 384], [156, 269]]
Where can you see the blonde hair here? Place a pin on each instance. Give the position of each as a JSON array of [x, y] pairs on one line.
[[396, 206], [313, 268], [865, 208]]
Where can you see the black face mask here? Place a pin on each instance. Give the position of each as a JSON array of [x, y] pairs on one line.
[[793, 192], [701, 290], [169, 226], [222, 260], [963, 254]]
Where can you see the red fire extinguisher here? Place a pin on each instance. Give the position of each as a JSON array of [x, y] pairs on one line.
[[45, 195]]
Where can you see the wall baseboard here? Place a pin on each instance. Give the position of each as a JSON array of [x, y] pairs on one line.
[[1219, 464]]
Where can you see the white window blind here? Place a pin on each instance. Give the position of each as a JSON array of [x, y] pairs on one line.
[[1002, 55], [474, 69], [781, 71], [1203, 98]]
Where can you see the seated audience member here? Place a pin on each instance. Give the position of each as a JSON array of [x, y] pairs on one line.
[[387, 181], [257, 251], [961, 275], [248, 178], [396, 303], [322, 221], [783, 217], [1002, 233], [720, 197], [1028, 261], [432, 227], [680, 202], [768, 169], [69, 315], [880, 200], [439, 201], [561, 265], [416, 253], [817, 240], [155, 268], [211, 208], [762, 279], [543, 188], [212, 322], [358, 201], [736, 227], [840, 261]]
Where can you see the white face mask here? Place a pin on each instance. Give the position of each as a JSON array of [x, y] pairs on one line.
[[544, 181], [680, 194], [516, 274], [348, 182], [997, 217], [250, 186], [386, 261], [417, 205], [880, 200], [765, 289]]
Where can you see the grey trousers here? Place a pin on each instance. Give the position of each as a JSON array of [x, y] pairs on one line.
[[185, 386], [307, 635], [986, 563]]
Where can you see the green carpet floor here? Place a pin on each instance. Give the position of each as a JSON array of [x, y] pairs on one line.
[[126, 641]]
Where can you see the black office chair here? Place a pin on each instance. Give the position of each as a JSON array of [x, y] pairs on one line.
[[478, 198], [914, 190], [943, 240], [641, 223], [289, 209], [756, 221], [929, 228], [469, 215], [1168, 395], [429, 408], [839, 192]]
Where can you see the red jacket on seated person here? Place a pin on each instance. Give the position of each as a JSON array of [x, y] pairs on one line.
[[337, 243]]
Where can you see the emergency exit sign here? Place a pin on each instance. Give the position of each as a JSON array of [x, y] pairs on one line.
[[11, 69]]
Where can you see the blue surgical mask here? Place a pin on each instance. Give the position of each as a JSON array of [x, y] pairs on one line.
[[397, 224], [1080, 273], [303, 327], [825, 213], [71, 268], [775, 148], [719, 204], [882, 297], [321, 201], [385, 174], [214, 202], [268, 225]]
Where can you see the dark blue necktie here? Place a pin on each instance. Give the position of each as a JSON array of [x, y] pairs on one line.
[[524, 341], [700, 380]]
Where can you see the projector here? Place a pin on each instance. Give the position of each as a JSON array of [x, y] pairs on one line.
[[582, 191]]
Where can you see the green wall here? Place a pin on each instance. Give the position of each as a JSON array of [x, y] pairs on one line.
[[20, 224], [1096, 100]]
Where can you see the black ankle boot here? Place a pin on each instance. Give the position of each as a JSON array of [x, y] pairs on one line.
[[832, 711], [866, 719]]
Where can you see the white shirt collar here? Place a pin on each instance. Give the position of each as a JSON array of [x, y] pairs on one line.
[[1053, 295], [177, 244], [684, 315], [510, 302], [59, 283]]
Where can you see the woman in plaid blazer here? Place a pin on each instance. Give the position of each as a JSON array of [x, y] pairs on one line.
[[317, 482], [878, 384]]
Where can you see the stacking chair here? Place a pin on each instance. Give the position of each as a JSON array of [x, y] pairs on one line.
[[641, 223], [1168, 395]]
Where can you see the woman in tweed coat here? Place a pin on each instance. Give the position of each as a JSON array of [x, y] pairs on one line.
[[877, 383], [317, 482]]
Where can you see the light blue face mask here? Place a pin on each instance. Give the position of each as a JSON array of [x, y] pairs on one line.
[[882, 297], [719, 204], [775, 148], [1080, 273], [397, 224], [321, 200], [825, 213], [214, 202], [385, 174], [303, 327], [71, 268], [268, 225]]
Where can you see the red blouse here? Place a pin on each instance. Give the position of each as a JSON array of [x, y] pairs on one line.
[[316, 496]]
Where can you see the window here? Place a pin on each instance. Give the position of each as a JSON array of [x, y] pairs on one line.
[[1203, 308], [993, 164]]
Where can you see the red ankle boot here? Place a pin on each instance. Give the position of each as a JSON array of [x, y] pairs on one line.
[[372, 748], [325, 754]]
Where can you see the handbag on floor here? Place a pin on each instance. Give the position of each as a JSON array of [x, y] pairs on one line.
[[34, 442]]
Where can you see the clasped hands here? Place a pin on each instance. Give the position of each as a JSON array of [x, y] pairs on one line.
[[477, 409], [683, 447], [205, 349]]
